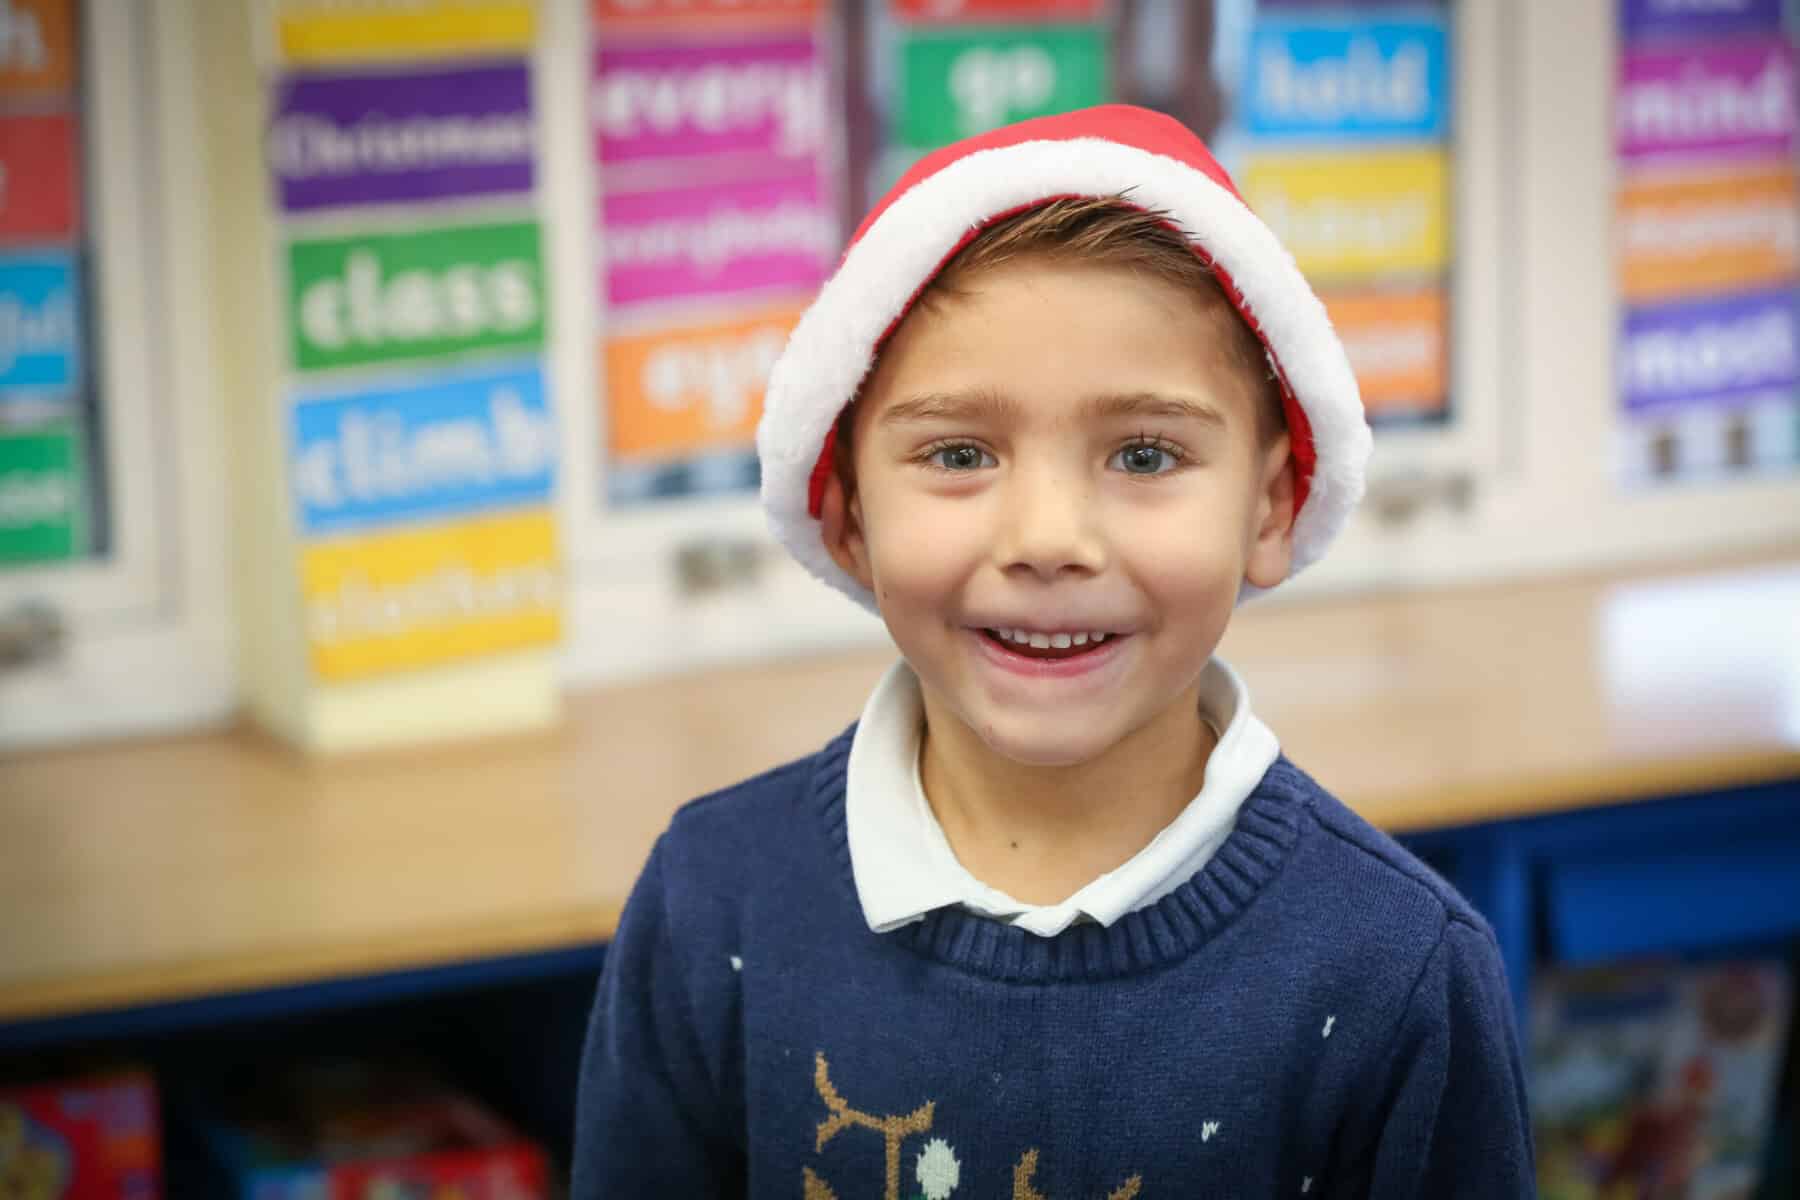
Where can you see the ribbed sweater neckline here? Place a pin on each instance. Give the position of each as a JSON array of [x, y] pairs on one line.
[[1173, 928]]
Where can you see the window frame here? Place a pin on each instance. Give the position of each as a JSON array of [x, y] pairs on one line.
[[149, 634]]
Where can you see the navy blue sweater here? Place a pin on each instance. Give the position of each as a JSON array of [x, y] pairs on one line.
[[1313, 1014]]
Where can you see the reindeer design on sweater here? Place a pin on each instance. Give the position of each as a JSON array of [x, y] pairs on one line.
[[938, 1171]]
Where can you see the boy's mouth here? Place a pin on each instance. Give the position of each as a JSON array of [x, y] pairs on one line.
[[1047, 646]]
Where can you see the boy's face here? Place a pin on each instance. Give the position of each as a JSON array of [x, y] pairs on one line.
[[1060, 448]]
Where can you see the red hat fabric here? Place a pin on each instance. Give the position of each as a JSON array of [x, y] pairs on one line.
[[949, 197]]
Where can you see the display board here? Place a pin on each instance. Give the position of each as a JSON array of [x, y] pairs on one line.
[[1707, 241], [719, 130], [1335, 119], [717, 168], [421, 433]]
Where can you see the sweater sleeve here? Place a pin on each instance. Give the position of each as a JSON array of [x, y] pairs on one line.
[[649, 1120], [1455, 1120]]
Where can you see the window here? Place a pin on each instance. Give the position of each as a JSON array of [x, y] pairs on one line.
[[108, 442]]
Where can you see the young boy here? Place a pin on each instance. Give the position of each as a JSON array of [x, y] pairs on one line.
[[1055, 919]]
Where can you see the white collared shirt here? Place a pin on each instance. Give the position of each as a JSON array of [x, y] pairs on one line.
[[904, 866]]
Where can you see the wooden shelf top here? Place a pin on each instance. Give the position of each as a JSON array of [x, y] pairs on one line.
[[154, 871]]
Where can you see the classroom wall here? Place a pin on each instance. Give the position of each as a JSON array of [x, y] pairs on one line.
[[1534, 287], [1533, 448]]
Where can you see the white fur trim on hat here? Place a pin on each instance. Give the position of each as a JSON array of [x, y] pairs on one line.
[[833, 346]]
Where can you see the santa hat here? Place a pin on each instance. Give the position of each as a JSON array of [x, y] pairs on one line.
[[949, 197]]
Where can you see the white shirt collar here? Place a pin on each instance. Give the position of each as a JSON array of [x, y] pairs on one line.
[[904, 866]]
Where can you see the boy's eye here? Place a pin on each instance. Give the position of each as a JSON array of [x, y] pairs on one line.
[[961, 458], [1144, 458]]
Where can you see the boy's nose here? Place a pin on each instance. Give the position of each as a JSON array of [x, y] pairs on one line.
[[1049, 526]]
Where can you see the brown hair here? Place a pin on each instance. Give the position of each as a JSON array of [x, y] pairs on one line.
[[1109, 231]]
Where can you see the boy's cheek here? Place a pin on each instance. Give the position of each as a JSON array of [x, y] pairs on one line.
[[921, 555]]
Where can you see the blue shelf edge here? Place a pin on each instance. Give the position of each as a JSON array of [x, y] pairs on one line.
[[300, 999], [1692, 869]]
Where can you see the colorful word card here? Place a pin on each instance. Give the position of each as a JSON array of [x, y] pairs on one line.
[[956, 82], [37, 46], [999, 10], [399, 296], [42, 506], [1720, 351], [1708, 98], [1732, 228], [1642, 20], [39, 324], [417, 597], [392, 137], [1379, 212], [38, 177], [447, 446], [325, 31], [1397, 342], [718, 239], [661, 102], [699, 16], [1370, 80], [678, 391]]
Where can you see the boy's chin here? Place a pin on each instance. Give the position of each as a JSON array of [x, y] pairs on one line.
[[1046, 744]]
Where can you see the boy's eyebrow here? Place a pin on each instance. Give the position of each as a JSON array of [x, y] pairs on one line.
[[1156, 404], [948, 406], [963, 406]]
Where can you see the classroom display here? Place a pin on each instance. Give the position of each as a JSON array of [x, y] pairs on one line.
[[1657, 1079], [47, 364], [717, 165], [1708, 241], [421, 434], [1340, 133], [353, 1128], [736, 145], [89, 1137]]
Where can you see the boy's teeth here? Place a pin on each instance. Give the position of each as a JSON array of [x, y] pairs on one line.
[[1049, 641]]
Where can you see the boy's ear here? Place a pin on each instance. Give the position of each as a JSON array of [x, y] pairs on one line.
[[1272, 534], [841, 529]]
